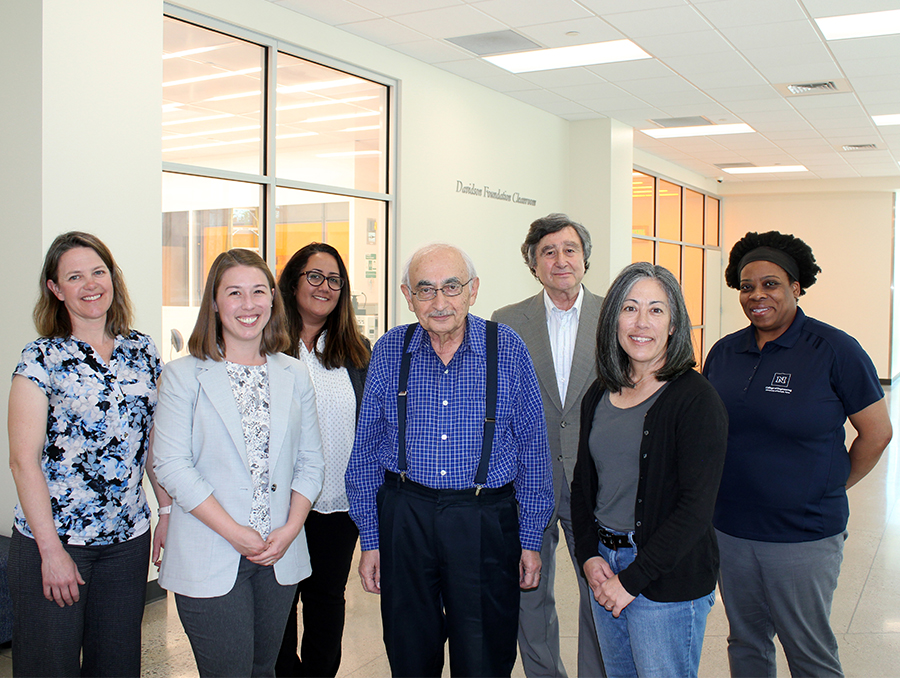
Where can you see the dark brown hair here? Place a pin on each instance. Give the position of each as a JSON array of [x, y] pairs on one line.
[[344, 345], [206, 340], [50, 315]]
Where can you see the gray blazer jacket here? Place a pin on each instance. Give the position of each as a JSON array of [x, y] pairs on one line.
[[529, 320], [198, 450]]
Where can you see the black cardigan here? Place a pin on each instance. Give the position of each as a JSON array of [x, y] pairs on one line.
[[682, 455]]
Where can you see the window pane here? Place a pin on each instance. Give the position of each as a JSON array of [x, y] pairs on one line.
[[642, 205], [641, 250], [693, 217], [201, 218], [669, 256], [669, 224], [692, 283], [712, 222], [354, 227], [212, 99], [331, 127]]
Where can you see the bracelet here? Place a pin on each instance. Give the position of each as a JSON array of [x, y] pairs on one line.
[[164, 510]]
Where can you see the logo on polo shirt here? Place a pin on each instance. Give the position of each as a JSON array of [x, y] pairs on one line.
[[780, 383]]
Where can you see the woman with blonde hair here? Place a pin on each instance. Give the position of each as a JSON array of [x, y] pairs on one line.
[[81, 408], [237, 446]]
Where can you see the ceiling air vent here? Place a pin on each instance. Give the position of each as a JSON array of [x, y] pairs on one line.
[[810, 88], [498, 42], [813, 87], [691, 121], [734, 165], [859, 147]]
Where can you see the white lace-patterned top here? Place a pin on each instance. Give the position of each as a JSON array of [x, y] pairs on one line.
[[250, 386], [336, 408]]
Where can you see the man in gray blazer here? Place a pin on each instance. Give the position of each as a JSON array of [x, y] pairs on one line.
[[558, 325]]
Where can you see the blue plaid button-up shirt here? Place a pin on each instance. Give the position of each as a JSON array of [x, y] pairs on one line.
[[444, 427]]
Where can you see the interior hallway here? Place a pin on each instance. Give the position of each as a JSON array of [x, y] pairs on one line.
[[866, 613]]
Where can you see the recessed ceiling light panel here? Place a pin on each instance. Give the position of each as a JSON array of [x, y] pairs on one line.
[[698, 131], [860, 25], [569, 57], [885, 120], [770, 169]]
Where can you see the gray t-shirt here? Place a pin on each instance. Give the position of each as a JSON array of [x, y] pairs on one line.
[[615, 445]]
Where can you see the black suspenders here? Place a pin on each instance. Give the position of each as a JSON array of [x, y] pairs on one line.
[[491, 341]]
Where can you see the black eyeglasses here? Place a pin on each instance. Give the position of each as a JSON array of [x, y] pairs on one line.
[[316, 279]]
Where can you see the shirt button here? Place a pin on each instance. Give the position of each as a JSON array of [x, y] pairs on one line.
[[445, 403], [444, 436], [274, 487], [646, 433], [443, 473], [640, 501], [562, 424], [446, 371], [559, 458], [637, 524]]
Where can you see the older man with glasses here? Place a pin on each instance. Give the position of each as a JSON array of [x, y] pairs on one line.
[[449, 480]]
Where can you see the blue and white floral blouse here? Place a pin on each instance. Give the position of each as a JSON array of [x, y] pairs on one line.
[[97, 435]]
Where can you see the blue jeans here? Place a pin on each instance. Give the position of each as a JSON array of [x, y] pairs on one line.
[[650, 638]]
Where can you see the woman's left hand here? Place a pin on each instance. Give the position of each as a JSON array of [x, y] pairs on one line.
[[613, 596], [277, 545], [159, 539]]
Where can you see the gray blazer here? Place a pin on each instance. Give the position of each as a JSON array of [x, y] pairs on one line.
[[529, 320], [198, 450]]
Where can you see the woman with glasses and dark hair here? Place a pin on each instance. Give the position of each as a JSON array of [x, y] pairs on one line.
[[81, 408], [650, 456], [323, 333], [237, 446]]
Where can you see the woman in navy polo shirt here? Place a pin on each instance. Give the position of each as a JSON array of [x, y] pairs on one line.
[[789, 382]]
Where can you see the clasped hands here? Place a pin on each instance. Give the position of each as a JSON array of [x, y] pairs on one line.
[[606, 587]]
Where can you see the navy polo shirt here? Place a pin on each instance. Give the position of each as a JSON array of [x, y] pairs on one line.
[[787, 466]]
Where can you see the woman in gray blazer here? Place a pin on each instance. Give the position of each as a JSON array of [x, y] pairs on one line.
[[237, 446]]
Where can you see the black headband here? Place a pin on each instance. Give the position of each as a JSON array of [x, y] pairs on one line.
[[779, 257]]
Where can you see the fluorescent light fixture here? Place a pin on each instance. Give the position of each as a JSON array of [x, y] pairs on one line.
[[885, 120], [697, 131], [297, 135], [860, 25], [210, 145], [203, 118], [239, 95], [569, 57], [316, 86], [323, 102], [346, 153], [189, 52], [210, 132], [766, 170], [343, 116], [214, 76]]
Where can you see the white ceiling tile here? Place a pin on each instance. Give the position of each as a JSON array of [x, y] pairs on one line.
[[383, 31], [471, 68], [779, 136], [621, 103], [788, 72], [726, 13], [636, 117], [821, 8], [451, 22], [393, 7], [863, 68], [868, 157], [506, 82], [590, 115], [761, 36], [743, 77], [603, 7], [886, 169], [632, 70], [753, 92], [663, 21], [824, 101], [591, 29], [866, 48], [720, 62], [709, 111], [753, 105], [756, 118], [875, 83], [566, 108], [802, 144], [881, 103], [683, 44], [333, 12], [563, 77], [650, 87], [782, 126], [432, 51], [516, 13], [539, 97], [695, 99]]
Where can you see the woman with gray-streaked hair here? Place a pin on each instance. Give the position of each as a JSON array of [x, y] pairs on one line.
[[650, 456]]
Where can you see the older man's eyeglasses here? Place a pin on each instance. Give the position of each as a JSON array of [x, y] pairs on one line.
[[316, 279], [427, 293]]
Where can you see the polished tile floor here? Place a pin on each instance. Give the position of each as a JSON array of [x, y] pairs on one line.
[[866, 614]]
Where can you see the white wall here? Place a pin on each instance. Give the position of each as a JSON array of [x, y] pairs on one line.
[[849, 229]]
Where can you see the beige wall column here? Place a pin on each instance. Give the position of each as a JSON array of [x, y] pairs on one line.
[[601, 154]]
